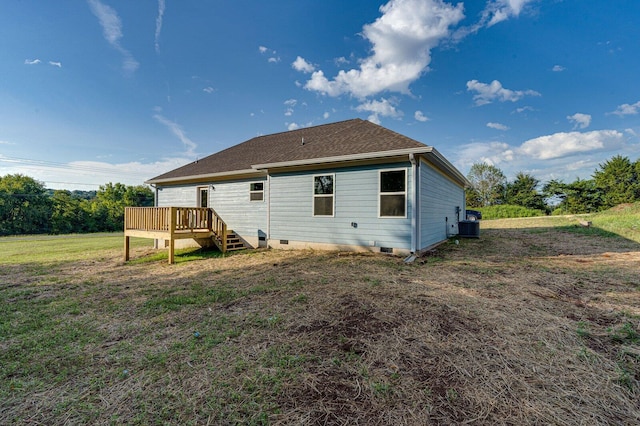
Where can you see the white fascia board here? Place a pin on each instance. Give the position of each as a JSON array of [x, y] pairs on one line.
[[343, 158], [205, 177]]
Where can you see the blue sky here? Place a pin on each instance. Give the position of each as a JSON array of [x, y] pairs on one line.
[[103, 91]]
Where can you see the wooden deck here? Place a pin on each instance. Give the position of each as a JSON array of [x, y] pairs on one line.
[[174, 223]]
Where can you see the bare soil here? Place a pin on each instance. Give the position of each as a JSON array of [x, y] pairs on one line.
[[523, 326]]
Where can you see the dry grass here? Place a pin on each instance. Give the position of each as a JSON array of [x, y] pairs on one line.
[[524, 326]]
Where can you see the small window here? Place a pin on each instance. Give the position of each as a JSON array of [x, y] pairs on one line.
[[256, 191], [393, 193], [323, 195], [203, 196]]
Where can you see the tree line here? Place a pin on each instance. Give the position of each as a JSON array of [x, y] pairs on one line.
[[27, 207], [614, 182]]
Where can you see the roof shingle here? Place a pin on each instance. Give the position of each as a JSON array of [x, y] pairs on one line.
[[343, 138]]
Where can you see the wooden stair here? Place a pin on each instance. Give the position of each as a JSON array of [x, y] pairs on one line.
[[234, 242]]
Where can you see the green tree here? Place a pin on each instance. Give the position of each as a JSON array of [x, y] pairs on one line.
[[523, 191], [487, 185], [25, 207], [111, 199], [618, 181], [580, 196]]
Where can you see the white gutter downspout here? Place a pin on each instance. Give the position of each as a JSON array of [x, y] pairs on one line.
[[414, 206]]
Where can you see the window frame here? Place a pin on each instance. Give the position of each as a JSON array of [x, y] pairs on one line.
[[253, 191], [199, 190], [404, 193], [314, 195]]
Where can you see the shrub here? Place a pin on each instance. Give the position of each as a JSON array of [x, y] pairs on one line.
[[507, 211]]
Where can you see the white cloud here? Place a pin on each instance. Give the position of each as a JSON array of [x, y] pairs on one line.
[[563, 156], [159, 18], [564, 144], [300, 64], [325, 115], [487, 93], [524, 109], [501, 10], [580, 121], [112, 32], [55, 64], [419, 116], [209, 90], [292, 126], [176, 129], [497, 126], [273, 58], [558, 68], [627, 109], [402, 38], [291, 102], [32, 61], [11, 143], [381, 108]]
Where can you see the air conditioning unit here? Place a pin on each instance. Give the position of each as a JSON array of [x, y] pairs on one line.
[[469, 229]]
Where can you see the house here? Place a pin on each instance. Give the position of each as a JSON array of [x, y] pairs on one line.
[[350, 185]]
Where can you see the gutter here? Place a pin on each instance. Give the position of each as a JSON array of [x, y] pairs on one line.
[[205, 177], [344, 158]]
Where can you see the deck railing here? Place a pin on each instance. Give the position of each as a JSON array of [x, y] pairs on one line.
[[172, 223]]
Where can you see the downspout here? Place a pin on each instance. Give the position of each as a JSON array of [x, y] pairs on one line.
[[268, 208], [414, 204]]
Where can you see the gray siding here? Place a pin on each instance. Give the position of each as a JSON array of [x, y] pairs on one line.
[[439, 197], [177, 196], [231, 201], [356, 200]]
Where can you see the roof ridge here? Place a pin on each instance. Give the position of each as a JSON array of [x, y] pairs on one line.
[[310, 127]]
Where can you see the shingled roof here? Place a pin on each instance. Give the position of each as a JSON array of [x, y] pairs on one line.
[[345, 138]]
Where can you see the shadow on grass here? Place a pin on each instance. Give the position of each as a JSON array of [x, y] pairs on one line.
[[181, 255]]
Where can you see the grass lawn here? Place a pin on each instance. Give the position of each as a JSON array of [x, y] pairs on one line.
[[530, 324]]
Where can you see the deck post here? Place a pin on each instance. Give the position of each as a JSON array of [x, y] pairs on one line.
[[126, 248], [172, 230]]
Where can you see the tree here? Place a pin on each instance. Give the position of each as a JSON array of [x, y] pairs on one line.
[[111, 199], [580, 196], [24, 206], [487, 185], [618, 181], [523, 191]]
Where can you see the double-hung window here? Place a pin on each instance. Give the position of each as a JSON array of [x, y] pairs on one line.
[[256, 191], [323, 195], [393, 193]]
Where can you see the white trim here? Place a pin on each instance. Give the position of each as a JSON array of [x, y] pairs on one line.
[[253, 191], [207, 176], [343, 158], [405, 192], [199, 190], [332, 195]]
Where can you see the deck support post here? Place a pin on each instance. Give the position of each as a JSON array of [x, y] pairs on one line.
[[126, 248], [172, 246]]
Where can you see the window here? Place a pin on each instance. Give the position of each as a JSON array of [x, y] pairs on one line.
[[323, 198], [256, 191], [203, 196], [393, 193]]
